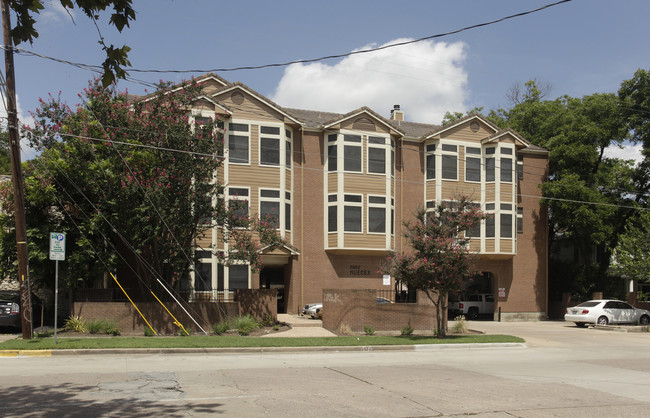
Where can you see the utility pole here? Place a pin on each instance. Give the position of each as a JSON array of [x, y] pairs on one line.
[[17, 178]]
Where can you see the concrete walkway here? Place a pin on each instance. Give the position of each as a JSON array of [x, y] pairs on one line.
[[301, 326]]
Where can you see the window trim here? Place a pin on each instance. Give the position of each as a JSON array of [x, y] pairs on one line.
[[279, 137], [230, 197], [247, 134], [277, 200], [473, 156], [382, 206], [350, 204], [446, 155]]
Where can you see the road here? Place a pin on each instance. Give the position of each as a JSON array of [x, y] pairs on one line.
[[564, 371]]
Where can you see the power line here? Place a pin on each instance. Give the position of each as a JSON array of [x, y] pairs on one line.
[[305, 61]]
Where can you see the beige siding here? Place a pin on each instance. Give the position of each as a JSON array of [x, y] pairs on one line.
[[451, 190], [431, 190], [489, 245], [506, 246], [251, 108], [506, 193], [287, 177], [364, 241], [203, 105], [360, 183], [474, 245], [464, 133], [264, 177], [489, 192], [332, 240], [204, 240], [332, 183], [254, 144]]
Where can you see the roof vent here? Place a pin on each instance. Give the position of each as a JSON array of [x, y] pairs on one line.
[[396, 113]]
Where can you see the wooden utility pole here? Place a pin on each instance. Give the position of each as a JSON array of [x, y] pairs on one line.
[[17, 177]]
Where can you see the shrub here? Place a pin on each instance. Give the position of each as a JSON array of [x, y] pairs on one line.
[[460, 326], [268, 321], [407, 330], [276, 327], [221, 327], [345, 329], [148, 332], [75, 324], [245, 324], [103, 326], [368, 330]]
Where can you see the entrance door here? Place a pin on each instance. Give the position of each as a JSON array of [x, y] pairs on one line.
[[273, 278]]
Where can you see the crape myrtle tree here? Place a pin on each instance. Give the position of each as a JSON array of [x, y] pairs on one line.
[[439, 258], [132, 178]]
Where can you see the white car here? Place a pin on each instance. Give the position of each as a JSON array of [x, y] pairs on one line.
[[310, 309], [603, 312]]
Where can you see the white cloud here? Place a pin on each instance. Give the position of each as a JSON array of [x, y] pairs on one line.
[[426, 79], [626, 151], [55, 12]]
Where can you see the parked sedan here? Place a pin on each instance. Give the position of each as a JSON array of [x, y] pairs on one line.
[[310, 309], [603, 312], [10, 308]]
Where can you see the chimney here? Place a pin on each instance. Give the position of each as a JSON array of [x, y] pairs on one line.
[[396, 114]]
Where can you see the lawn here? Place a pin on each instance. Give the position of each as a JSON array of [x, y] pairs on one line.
[[233, 341]]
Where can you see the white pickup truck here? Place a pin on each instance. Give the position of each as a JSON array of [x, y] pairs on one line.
[[471, 305]]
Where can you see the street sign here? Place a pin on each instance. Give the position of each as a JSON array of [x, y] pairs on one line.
[[57, 246]]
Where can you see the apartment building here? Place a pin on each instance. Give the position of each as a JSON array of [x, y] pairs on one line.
[[340, 186]]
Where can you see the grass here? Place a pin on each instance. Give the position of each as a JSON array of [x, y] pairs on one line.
[[218, 342]]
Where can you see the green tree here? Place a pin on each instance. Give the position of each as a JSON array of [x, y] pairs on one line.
[[128, 178], [585, 189], [439, 259], [632, 254], [5, 154], [451, 117], [122, 14]]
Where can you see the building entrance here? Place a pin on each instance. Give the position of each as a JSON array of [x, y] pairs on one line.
[[273, 278]]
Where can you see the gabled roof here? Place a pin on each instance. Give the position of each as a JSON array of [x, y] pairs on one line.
[[241, 86], [199, 79], [461, 121], [215, 103], [504, 132], [360, 111], [287, 248]]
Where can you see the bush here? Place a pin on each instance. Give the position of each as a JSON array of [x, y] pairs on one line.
[[75, 324], [103, 326], [276, 327], [460, 326], [245, 324], [148, 332], [345, 329], [268, 321], [221, 327], [368, 330], [407, 330]]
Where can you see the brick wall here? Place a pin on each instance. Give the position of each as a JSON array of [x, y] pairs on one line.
[[258, 302], [357, 308]]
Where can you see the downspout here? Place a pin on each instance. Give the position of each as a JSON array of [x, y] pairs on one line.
[[302, 218]]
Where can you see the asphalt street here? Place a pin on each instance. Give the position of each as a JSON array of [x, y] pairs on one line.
[[562, 371]]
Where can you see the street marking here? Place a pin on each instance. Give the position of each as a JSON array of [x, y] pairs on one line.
[[25, 353]]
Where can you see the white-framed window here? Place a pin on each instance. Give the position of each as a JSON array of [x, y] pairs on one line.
[[475, 230], [377, 148], [352, 151], [505, 163], [288, 155], [332, 153], [353, 213], [238, 143], [287, 211], [505, 220], [430, 156], [520, 220], [203, 270], [332, 213], [490, 220], [238, 202], [270, 145], [490, 164], [520, 166], [376, 214], [473, 164], [449, 161], [270, 207], [238, 276]]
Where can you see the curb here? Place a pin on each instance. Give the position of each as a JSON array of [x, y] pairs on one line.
[[252, 350], [25, 353]]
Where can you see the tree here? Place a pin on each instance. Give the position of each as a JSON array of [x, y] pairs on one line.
[[451, 117], [128, 178], [439, 259], [586, 191], [122, 15], [632, 254], [5, 154]]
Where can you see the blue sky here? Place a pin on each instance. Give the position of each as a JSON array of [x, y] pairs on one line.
[[579, 48]]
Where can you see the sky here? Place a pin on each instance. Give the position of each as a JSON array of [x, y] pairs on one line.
[[579, 48]]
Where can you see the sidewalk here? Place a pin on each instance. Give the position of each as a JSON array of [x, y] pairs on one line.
[[301, 326]]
